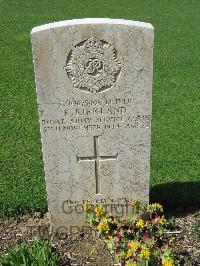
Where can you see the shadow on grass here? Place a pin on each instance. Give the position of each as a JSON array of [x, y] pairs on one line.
[[173, 195]]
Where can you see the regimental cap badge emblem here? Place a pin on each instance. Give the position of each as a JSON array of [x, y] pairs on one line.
[[92, 65]]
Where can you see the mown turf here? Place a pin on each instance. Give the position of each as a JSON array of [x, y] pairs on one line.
[[176, 97]]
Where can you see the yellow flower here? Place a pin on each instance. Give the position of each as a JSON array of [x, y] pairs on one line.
[[129, 253], [133, 245], [145, 253], [93, 251], [157, 206], [136, 203], [148, 224], [162, 220], [110, 236], [129, 263], [140, 223], [168, 262], [103, 226], [86, 207], [136, 206], [99, 210]]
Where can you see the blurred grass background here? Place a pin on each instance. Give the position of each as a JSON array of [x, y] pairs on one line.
[[175, 160]]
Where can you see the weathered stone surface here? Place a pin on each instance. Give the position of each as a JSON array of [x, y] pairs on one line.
[[94, 86]]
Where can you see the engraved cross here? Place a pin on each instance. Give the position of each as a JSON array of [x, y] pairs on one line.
[[97, 159]]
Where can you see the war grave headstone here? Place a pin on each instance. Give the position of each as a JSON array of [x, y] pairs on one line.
[[94, 91]]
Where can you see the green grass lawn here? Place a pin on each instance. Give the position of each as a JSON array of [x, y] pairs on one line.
[[175, 160]]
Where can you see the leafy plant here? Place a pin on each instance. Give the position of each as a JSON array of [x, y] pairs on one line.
[[40, 254], [140, 239]]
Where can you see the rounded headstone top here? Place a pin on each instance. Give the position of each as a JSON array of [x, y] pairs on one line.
[[91, 21]]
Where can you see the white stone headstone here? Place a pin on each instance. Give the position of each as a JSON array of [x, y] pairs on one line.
[[94, 90]]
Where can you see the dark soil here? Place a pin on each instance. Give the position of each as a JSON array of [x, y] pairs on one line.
[[88, 249], [186, 248]]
